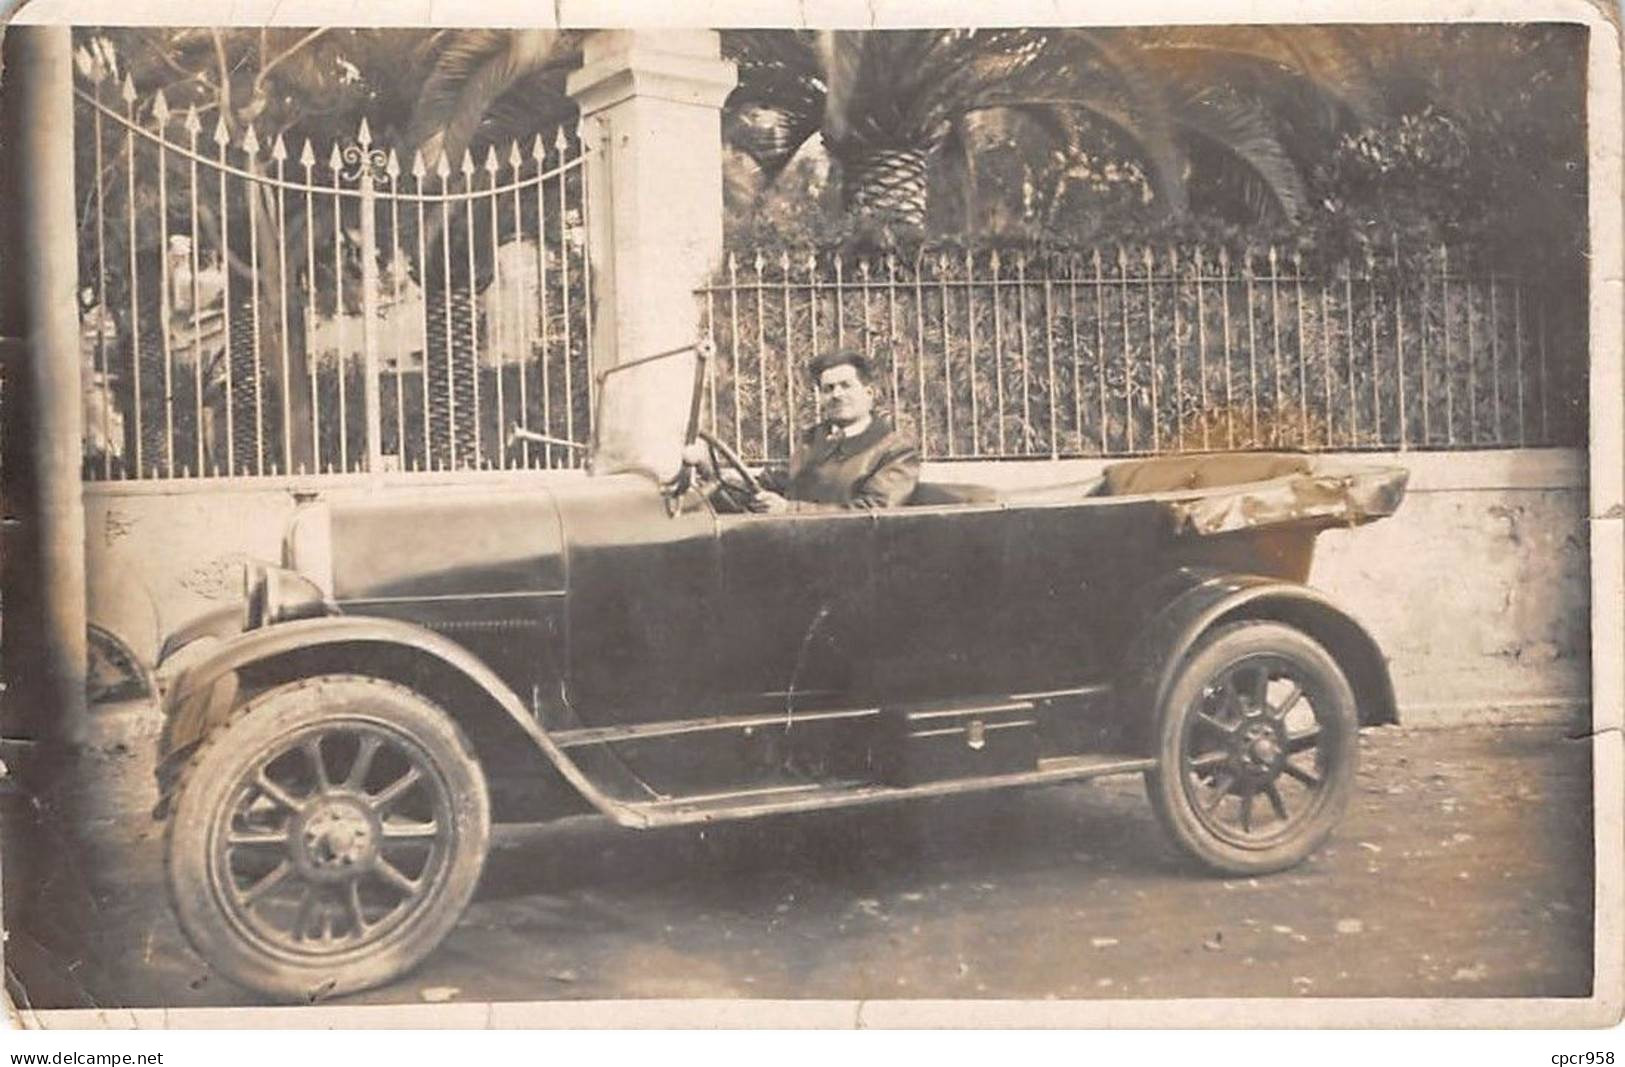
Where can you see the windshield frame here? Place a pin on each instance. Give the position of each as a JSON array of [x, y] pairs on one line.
[[703, 350]]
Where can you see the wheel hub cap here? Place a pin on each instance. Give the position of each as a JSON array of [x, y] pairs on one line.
[[337, 841], [1259, 751]]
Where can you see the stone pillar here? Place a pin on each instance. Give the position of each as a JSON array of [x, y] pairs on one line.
[[651, 108], [45, 594], [43, 795]]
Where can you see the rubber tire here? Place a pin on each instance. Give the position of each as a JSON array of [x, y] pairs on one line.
[[209, 777], [1212, 654]]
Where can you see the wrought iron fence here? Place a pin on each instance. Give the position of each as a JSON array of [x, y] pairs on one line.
[[249, 309], [1131, 351]]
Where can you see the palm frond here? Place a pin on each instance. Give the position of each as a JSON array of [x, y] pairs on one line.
[[779, 101], [1328, 58], [1239, 131], [1143, 114], [473, 71]]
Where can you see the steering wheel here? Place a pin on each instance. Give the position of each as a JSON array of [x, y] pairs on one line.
[[722, 457]]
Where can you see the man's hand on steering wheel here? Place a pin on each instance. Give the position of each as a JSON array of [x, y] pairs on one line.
[[732, 477], [767, 502]]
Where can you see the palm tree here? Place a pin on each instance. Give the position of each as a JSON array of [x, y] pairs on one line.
[[1200, 108]]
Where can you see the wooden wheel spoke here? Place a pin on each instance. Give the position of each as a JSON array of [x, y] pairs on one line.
[[1276, 802], [352, 898], [395, 789], [363, 761], [1221, 789], [393, 876], [1308, 778], [252, 838], [274, 792], [301, 918], [324, 928], [1261, 686], [276, 877], [1288, 704], [1247, 812], [410, 831], [1208, 759], [1303, 742], [313, 752], [1214, 724]]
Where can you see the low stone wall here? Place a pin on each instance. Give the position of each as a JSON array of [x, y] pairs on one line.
[[1478, 590]]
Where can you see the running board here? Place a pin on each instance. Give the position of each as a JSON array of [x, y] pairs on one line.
[[599, 735], [780, 800]]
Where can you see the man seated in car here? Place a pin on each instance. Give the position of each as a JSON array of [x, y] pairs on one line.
[[853, 458]]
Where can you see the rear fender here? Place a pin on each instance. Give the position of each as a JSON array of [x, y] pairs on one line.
[[205, 694], [1207, 600]]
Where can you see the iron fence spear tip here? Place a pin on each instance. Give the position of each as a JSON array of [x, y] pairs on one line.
[[222, 136], [160, 108], [363, 135], [127, 89], [279, 149], [307, 155]]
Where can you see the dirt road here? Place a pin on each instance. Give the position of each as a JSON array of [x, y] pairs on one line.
[[1463, 869]]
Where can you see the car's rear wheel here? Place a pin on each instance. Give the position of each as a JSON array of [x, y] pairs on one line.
[[1256, 749], [327, 837]]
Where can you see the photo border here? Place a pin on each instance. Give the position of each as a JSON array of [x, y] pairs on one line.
[[1606, 519]]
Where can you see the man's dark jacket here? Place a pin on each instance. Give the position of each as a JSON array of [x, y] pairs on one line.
[[877, 468]]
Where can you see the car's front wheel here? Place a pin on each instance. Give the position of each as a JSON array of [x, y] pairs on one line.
[[1256, 749], [327, 837]]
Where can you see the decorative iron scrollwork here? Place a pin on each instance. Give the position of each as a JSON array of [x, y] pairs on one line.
[[360, 161]]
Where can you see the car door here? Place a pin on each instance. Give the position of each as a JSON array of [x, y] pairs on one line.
[[1071, 573], [642, 583], [942, 611], [792, 624], [999, 599]]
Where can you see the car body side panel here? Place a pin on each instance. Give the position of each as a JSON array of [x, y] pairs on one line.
[[794, 622], [641, 605], [996, 599], [1069, 572], [484, 568], [941, 584]]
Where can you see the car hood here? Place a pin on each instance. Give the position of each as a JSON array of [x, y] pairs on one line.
[[441, 543]]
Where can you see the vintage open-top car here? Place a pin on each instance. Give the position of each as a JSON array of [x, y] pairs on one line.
[[634, 643]]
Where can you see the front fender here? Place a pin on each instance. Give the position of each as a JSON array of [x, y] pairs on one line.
[[204, 694], [219, 624], [1195, 601]]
